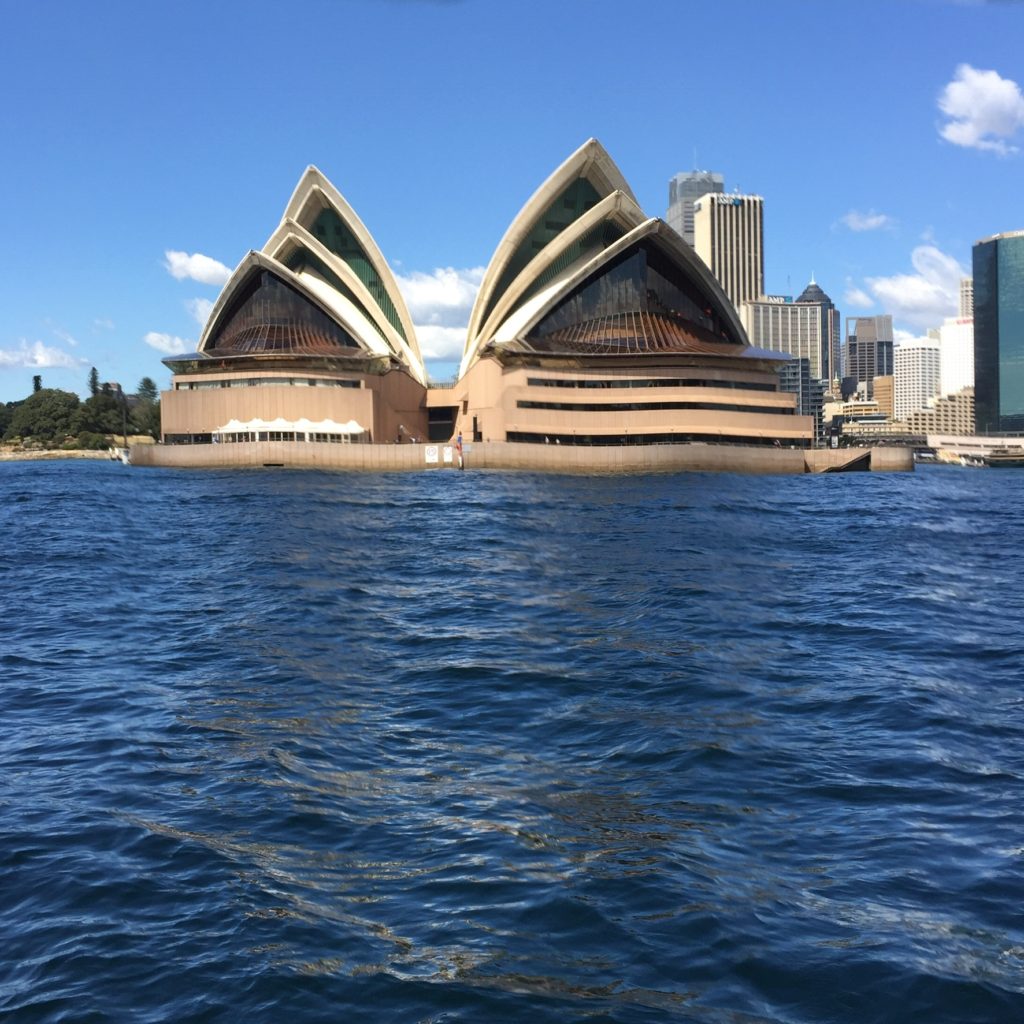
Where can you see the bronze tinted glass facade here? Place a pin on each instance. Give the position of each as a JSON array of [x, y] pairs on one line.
[[269, 316], [639, 302]]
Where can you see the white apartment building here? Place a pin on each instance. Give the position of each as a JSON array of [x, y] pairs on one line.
[[916, 376], [956, 345]]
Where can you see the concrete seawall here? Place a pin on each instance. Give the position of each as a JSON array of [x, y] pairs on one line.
[[669, 458]]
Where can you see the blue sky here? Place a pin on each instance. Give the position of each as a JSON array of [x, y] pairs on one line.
[[883, 136]]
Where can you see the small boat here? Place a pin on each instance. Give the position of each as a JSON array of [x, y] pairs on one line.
[[120, 455]]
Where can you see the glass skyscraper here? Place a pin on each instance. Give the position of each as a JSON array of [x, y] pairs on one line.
[[683, 191], [869, 347], [999, 333]]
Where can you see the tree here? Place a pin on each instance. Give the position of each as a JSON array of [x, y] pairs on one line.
[[147, 390], [47, 415], [37, 384], [146, 414], [101, 414], [146, 418], [94, 382]]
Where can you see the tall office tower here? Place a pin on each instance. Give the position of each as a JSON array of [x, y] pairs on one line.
[[778, 324], [813, 295], [683, 191], [869, 347], [966, 297], [728, 234], [915, 376], [999, 332], [956, 351]]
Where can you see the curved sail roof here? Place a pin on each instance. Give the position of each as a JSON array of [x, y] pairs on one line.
[[609, 220], [581, 270], [647, 291], [322, 238], [305, 255], [267, 309], [586, 178]]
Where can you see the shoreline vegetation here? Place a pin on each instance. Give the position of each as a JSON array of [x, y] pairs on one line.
[[53, 424]]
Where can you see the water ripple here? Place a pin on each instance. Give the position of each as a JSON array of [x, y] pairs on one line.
[[463, 747]]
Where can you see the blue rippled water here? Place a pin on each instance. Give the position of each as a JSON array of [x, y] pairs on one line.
[[285, 746]]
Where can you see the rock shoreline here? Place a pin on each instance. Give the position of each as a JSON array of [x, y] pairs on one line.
[[23, 455]]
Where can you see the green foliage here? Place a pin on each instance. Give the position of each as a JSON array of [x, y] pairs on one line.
[[147, 390], [6, 412], [46, 415], [92, 442], [145, 418], [101, 414], [94, 382], [37, 384]]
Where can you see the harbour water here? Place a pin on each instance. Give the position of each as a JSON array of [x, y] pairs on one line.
[[496, 747]]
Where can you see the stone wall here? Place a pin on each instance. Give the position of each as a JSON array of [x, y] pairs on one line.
[[673, 458]]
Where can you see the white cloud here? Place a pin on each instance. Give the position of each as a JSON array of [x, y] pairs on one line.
[[925, 298], [901, 337], [196, 267], [38, 356], [441, 344], [855, 296], [870, 221], [103, 324], [984, 110], [440, 303], [168, 343], [443, 297], [200, 310], [64, 336]]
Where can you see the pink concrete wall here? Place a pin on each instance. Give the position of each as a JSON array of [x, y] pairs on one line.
[[502, 455]]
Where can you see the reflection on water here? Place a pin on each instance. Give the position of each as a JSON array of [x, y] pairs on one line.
[[496, 747]]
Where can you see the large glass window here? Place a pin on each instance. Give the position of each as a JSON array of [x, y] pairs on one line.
[[645, 382], [603, 236], [640, 301], [270, 316], [1011, 333], [770, 410], [986, 336], [568, 207], [335, 234], [302, 261]]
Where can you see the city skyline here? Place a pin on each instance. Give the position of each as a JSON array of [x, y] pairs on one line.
[[146, 150]]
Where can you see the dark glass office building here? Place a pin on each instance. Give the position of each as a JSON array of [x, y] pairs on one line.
[[999, 333], [869, 350]]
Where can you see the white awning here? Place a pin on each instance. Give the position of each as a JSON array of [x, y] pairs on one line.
[[303, 426]]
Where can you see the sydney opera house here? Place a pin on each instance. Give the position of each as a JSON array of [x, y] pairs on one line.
[[594, 326]]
